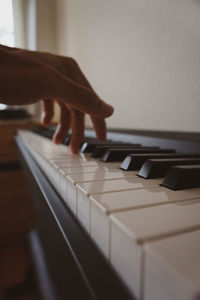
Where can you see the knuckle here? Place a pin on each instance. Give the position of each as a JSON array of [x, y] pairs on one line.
[[99, 106], [72, 61]]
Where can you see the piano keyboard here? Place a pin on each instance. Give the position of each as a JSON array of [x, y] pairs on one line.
[[148, 232]]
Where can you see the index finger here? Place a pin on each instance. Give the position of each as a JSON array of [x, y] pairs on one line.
[[99, 127], [87, 101], [77, 95]]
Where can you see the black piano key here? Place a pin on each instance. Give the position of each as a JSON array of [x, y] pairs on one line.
[[47, 132], [66, 140], [89, 147], [158, 168], [135, 161], [50, 131], [183, 177], [85, 140], [114, 155], [99, 150]]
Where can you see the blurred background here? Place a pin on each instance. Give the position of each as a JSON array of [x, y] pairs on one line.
[[142, 56]]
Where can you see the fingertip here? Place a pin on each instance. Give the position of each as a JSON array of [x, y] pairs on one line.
[[48, 111], [101, 136], [56, 140], [45, 121], [107, 110], [99, 127], [74, 148], [75, 143], [57, 136]]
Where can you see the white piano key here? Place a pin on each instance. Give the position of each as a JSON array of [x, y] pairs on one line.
[[99, 226], [99, 175], [50, 172], [83, 210], [84, 190], [78, 170], [75, 163], [89, 169], [64, 189], [70, 162], [52, 153], [71, 194], [117, 185], [99, 207], [69, 157], [104, 204], [131, 229], [71, 185], [82, 169], [56, 174], [44, 147], [55, 179], [44, 164], [65, 159], [172, 268], [71, 189], [59, 156]]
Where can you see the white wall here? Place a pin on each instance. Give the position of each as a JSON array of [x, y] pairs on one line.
[[35, 29], [142, 56], [46, 25]]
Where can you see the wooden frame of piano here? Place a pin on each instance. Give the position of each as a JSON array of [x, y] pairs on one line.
[[67, 264]]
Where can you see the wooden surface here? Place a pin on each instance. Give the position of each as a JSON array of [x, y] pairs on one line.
[[16, 210], [17, 214], [7, 145]]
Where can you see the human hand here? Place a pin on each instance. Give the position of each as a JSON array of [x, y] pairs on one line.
[[37, 75]]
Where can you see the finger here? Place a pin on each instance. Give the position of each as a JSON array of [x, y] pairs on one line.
[[77, 127], [85, 100], [64, 125], [47, 111], [99, 127], [80, 97]]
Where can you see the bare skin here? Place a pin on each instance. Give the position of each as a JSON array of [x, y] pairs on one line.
[[28, 76]]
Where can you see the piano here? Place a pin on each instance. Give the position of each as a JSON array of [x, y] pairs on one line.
[[119, 220]]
